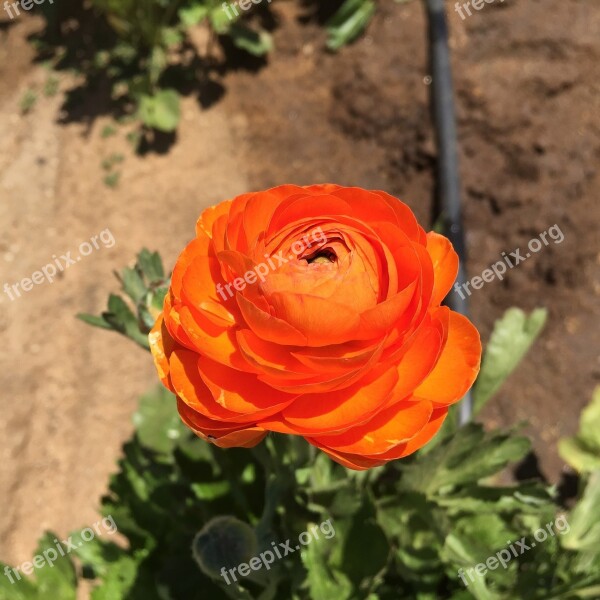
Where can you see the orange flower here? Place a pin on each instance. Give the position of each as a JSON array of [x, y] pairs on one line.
[[315, 311]]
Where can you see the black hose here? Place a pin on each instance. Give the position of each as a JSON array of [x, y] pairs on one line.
[[448, 185]]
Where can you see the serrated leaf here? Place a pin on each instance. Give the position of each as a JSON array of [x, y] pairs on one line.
[[512, 337], [466, 457], [527, 498], [133, 284], [151, 265], [122, 319]]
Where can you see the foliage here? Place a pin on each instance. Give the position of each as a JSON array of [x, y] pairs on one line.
[[136, 44], [147, 52], [402, 531], [418, 528], [351, 19], [145, 286], [58, 581], [582, 451], [512, 337]]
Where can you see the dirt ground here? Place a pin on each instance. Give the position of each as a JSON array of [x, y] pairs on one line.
[[527, 80]]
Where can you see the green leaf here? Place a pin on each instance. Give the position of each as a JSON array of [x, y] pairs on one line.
[[96, 554], [160, 111], [512, 337], [211, 490], [112, 179], [364, 532], [150, 307], [145, 284], [94, 321], [60, 581], [325, 582], [28, 101], [151, 265], [122, 319], [468, 456], [121, 578], [156, 64], [158, 424], [133, 284], [19, 589], [219, 20], [584, 520], [582, 451], [349, 22], [528, 498], [192, 15], [53, 574], [257, 43], [171, 36]]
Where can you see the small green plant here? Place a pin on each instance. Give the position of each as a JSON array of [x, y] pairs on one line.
[[111, 180], [108, 131], [139, 40], [28, 101], [351, 19], [112, 160], [51, 86]]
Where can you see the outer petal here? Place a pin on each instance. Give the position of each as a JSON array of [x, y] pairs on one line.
[[423, 437], [190, 387], [215, 433], [241, 392], [445, 266], [161, 346], [210, 215], [458, 365], [386, 430], [360, 463], [336, 411]]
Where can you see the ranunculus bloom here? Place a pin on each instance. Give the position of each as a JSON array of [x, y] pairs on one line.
[[315, 311]]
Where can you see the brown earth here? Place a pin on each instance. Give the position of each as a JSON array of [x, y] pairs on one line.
[[527, 76]]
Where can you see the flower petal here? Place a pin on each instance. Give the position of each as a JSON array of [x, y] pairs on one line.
[[387, 429], [457, 366], [445, 266]]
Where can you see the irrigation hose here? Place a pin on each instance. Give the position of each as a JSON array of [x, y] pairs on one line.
[[448, 184]]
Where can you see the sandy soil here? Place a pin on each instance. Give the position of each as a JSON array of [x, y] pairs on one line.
[[527, 81], [68, 391]]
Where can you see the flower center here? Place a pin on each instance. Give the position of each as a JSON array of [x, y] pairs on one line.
[[322, 256]]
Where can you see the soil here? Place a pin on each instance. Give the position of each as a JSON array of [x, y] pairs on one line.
[[526, 77]]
